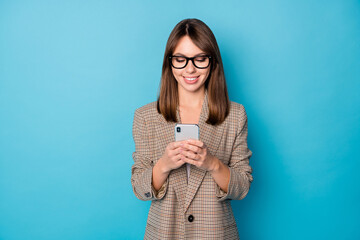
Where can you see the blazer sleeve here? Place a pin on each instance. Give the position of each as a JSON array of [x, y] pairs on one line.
[[240, 170], [141, 171]]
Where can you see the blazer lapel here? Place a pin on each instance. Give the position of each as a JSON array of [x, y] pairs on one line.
[[211, 136], [165, 134]]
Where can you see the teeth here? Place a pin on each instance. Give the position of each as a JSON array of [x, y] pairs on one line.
[[191, 79]]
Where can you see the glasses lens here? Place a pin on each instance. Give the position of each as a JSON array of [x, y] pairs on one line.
[[201, 61], [178, 62]]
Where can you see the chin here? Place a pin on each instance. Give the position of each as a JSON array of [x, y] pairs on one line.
[[193, 88]]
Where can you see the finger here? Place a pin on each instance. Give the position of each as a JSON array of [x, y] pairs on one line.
[[177, 151], [173, 152], [192, 156], [190, 161], [175, 145], [192, 148], [177, 157], [197, 143], [180, 163]]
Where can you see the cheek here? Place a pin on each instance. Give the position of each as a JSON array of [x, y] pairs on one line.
[[206, 74], [177, 74]]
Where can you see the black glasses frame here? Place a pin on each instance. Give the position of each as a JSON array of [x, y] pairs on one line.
[[192, 60]]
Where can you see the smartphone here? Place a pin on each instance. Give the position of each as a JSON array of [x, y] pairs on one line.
[[186, 131]]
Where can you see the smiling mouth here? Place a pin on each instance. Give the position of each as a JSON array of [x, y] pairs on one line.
[[191, 78]]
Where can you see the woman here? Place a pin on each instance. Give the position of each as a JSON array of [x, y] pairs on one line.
[[193, 203]]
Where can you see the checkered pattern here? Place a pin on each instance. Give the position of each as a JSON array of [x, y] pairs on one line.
[[201, 198]]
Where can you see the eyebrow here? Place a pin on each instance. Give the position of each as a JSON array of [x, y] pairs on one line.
[[182, 55]]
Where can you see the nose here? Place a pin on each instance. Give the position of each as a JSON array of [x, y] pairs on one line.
[[190, 68]]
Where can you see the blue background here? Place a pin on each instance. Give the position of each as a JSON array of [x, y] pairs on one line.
[[73, 73]]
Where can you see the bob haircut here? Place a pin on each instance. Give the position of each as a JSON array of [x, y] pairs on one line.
[[218, 99]]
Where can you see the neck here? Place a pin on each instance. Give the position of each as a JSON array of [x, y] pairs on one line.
[[191, 99]]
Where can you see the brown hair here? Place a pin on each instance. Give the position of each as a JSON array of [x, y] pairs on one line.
[[218, 99]]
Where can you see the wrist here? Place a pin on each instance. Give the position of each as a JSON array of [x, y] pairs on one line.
[[162, 167], [216, 165]]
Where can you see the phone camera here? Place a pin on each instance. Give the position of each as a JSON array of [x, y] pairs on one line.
[[178, 129]]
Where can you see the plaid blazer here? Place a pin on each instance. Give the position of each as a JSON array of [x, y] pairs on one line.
[[197, 209]]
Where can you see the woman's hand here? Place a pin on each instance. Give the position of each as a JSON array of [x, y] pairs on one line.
[[171, 158], [196, 153]]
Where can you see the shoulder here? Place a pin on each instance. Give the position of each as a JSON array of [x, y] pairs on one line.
[[237, 117], [147, 111], [237, 111]]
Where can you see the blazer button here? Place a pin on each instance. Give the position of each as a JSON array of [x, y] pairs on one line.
[[191, 218], [147, 194]]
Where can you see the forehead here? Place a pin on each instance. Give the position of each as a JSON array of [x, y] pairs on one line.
[[187, 47]]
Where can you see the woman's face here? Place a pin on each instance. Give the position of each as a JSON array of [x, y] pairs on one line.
[[190, 78]]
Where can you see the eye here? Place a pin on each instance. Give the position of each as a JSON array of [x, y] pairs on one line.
[[201, 59], [179, 59]]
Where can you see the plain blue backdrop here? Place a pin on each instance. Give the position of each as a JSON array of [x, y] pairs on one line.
[[72, 74]]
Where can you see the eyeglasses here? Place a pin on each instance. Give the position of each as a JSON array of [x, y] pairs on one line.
[[180, 62]]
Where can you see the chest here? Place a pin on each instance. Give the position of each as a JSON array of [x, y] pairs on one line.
[[189, 115]]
